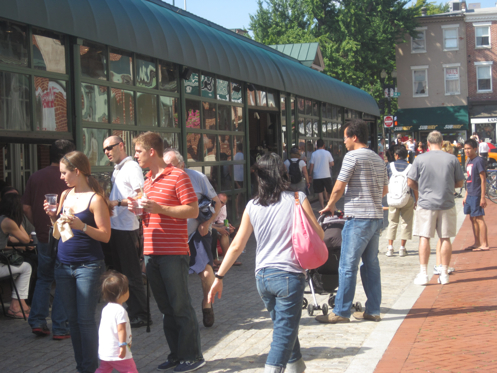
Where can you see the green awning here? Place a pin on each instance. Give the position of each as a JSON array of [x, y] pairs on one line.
[[442, 118]]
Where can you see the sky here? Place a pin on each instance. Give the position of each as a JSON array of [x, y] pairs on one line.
[[235, 13]]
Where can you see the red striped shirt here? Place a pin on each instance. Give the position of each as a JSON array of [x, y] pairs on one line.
[[164, 235]]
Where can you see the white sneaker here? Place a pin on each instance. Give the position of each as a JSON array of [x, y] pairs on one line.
[[443, 279], [403, 252], [437, 270], [421, 279], [389, 252]]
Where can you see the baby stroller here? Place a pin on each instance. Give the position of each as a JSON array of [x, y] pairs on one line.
[[324, 280]]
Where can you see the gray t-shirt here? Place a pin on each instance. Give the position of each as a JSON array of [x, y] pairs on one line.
[[202, 187], [436, 173], [273, 227], [366, 175]]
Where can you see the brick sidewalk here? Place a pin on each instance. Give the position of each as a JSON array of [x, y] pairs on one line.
[[452, 328]]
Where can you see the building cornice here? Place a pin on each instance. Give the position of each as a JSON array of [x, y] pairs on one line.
[[481, 17]]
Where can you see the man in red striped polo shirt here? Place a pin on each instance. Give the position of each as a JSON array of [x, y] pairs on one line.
[[170, 200]]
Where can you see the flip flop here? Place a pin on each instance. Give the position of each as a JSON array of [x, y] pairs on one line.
[[16, 314], [482, 249]]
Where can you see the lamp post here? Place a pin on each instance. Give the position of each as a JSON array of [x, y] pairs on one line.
[[388, 91]]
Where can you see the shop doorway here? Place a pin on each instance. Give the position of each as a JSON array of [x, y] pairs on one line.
[[18, 163]]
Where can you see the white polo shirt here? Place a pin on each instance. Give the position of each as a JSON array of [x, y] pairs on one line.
[[126, 178]]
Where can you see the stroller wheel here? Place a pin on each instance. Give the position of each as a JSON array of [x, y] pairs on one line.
[[310, 309], [304, 303], [331, 301], [324, 307], [358, 306]]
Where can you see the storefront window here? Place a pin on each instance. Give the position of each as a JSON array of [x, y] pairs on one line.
[[146, 72], [251, 95], [171, 140], [225, 142], [208, 116], [168, 112], [14, 101], [193, 147], [49, 52], [208, 86], [261, 98], [271, 102], [147, 109], [168, 77], [121, 67], [92, 146], [93, 61], [122, 108], [223, 90], [94, 103], [191, 82], [237, 117], [236, 92], [127, 137], [308, 107], [13, 44], [192, 114], [224, 118], [51, 104]]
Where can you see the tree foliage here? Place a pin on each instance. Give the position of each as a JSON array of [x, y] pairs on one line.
[[432, 8], [357, 37]]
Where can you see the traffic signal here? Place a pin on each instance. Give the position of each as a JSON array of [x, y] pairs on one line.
[[395, 123]]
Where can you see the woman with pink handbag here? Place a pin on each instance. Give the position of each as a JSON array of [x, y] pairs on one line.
[[279, 275]]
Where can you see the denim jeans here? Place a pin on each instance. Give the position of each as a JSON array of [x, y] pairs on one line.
[[41, 298], [168, 277], [79, 286], [360, 240], [282, 293]]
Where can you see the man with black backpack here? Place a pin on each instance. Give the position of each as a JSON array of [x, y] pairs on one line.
[[297, 171], [401, 201]]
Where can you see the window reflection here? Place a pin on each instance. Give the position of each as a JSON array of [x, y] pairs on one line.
[[122, 108], [224, 118], [261, 98], [168, 77], [210, 152], [308, 107], [192, 114], [127, 137], [94, 105], [238, 169], [121, 67], [301, 126], [168, 112], [315, 110], [251, 96], [14, 101], [193, 147], [323, 110], [191, 84], [209, 116], [170, 140], [301, 106], [13, 44], [49, 53], [93, 61], [225, 142], [315, 129], [308, 128], [236, 92], [92, 146], [207, 86], [223, 90], [237, 117], [51, 104], [147, 109], [270, 99], [146, 73]]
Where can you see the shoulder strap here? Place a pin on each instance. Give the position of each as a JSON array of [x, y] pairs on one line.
[[393, 169], [89, 203]]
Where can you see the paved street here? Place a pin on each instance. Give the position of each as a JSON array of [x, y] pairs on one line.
[[240, 338]]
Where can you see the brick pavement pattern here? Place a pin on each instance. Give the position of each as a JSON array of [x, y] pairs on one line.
[[452, 328]]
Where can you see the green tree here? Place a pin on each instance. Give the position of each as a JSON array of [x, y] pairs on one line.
[[431, 8]]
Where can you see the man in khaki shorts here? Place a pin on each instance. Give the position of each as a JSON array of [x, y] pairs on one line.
[[435, 175]]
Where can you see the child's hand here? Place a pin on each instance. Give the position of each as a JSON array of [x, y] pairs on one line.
[[122, 352]]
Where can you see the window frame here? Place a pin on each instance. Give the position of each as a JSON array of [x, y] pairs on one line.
[[447, 28], [452, 66], [478, 65], [419, 68], [488, 26], [420, 30]]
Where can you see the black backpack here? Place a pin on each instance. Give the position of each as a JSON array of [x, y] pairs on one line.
[[294, 171]]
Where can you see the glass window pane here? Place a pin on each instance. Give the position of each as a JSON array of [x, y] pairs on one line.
[[92, 146], [301, 126], [482, 31], [484, 72], [171, 140], [49, 52], [308, 107], [14, 101], [226, 177], [308, 128], [93, 61], [51, 104], [225, 142], [315, 110], [261, 98], [329, 129], [168, 77], [323, 128], [301, 105], [122, 107], [271, 102], [210, 148], [207, 86], [13, 44], [121, 67], [239, 149], [237, 117], [192, 114], [127, 137], [147, 109], [224, 117], [223, 90], [323, 109], [168, 109], [193, 147], [236, 92], [251, 95], [191, 84], [315, 129], [208, 116], [94, 106], [146, 72]]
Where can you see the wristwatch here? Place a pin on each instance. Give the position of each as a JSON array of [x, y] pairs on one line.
[[119, 202], [85, 227], [122, 344]]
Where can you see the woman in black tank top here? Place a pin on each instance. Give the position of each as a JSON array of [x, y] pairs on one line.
[[80, 263]]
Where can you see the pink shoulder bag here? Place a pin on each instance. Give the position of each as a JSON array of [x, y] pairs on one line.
[[309, 248]]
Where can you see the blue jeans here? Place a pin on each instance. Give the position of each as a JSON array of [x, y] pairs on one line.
[[41, 297], [79, 286], [282, 293], [360, 240], [168, 277]]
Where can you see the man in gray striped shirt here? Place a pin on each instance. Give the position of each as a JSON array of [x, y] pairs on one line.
[[363, 181]]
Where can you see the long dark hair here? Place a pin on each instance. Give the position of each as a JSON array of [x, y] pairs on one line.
[[11, 207], [80, 161], [272, 178]]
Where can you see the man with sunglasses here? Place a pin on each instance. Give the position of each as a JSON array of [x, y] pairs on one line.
[[124, 250]]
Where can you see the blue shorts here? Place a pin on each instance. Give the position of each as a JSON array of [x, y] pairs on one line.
[[472, 206]]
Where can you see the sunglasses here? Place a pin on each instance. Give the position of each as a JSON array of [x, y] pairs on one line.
[[110, 147]]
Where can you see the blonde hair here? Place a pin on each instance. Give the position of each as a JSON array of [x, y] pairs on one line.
[[447, 147]]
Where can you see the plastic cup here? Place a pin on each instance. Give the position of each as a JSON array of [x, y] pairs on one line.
[[52, 202]]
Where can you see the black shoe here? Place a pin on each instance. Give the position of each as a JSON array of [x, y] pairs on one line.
[[208, 316], [167, 365], [42, 331], [138, 322]]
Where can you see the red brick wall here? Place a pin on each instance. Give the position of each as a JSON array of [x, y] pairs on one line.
[[476, 55]]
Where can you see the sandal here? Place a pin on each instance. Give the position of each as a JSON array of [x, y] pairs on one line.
[[16, 314], [482, 249]]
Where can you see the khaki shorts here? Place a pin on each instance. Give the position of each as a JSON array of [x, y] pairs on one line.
[[444, 221]]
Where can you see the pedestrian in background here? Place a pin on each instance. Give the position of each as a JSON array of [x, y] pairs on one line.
[[296, 167], [321, 162]]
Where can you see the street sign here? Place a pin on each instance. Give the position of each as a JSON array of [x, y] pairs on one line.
[[388, 121], [396, 94]]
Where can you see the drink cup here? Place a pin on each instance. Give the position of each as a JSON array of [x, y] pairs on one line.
[[52, 202], [138, 207]]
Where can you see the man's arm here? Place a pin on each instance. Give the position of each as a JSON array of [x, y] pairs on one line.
[[336, 194], [124, 202], [412, 184], [332, 164], [459, 183], [310, 170], [188, 211], [28, 211], [385, 191], [483, 178], [203, 228]]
